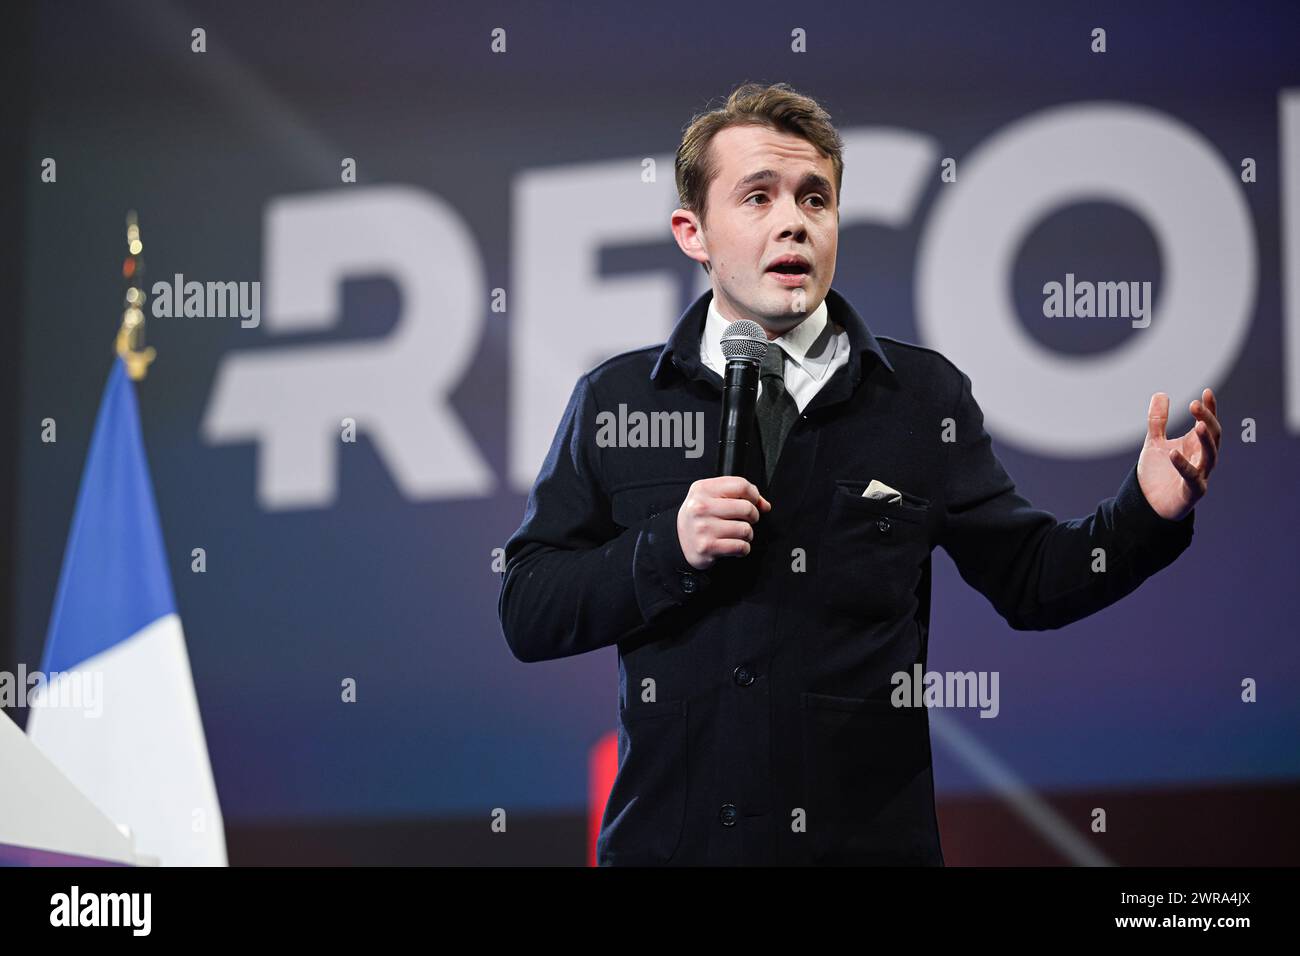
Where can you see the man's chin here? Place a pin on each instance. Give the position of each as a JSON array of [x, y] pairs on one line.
[[781, 322], [773, 309], [792, 306]]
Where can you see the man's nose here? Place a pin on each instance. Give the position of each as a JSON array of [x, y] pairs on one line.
[[795, 224]]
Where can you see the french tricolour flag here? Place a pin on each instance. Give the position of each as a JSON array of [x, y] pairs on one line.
[[121, 719]]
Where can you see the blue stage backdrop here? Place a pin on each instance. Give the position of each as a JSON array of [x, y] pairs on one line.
[[508, 228]]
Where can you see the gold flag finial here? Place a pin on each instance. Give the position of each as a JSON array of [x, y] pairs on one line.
[[130, 337]]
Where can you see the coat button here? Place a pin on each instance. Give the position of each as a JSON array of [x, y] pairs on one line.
[[883, 526], [689, 584], [743, 676], [728, 814]]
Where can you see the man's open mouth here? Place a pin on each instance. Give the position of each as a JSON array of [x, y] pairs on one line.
[[790, 274]]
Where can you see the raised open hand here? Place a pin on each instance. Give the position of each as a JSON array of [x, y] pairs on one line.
[[1174, 473]]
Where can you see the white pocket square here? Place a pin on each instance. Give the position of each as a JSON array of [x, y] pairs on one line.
[[882, 492]]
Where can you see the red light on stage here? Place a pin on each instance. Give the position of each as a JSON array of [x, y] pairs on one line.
[[602, 766]]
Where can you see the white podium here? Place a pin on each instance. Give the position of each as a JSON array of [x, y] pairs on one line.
[[45, 820]]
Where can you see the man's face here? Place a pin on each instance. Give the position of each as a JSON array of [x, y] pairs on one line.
[[773, 196]]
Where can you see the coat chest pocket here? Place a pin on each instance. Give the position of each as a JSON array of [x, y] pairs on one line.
[[872, 552]]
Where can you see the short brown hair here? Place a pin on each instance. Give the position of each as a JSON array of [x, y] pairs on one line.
[[776, 106]]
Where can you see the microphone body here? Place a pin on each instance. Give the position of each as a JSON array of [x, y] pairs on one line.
[[744, 343], [739, 395]]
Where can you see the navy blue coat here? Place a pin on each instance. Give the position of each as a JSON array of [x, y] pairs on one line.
[[754, 722]]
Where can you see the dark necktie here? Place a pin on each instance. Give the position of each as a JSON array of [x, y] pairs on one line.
[[776, 410]]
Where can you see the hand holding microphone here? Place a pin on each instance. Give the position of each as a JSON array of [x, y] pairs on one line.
[[717, 519]]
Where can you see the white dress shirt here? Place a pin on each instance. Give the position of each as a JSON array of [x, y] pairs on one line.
[[814, 349]]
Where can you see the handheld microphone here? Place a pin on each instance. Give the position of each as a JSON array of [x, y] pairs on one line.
[[744, 344]]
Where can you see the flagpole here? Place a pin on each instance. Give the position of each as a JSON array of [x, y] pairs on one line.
[[130, 336]]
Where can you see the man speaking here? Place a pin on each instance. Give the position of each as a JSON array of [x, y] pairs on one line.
[[759, 617]]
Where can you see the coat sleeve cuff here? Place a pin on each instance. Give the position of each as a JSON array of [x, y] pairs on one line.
[[1138, 521], [661, 575]]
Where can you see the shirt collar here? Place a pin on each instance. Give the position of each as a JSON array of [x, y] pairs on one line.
[[810, 344], [682, 350]]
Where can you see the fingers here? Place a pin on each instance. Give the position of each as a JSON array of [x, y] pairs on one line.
[[714, 538], [1209, 431], [1209, 448], [729, 530], [1157, 416], [730, 548], [1204, 412], [740, 509], [703, 507], [1185, 468], [732, 486]]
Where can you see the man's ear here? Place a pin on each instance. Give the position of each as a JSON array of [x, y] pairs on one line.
[[690, 236]]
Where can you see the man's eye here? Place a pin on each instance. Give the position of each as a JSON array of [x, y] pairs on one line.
[[818, 196]]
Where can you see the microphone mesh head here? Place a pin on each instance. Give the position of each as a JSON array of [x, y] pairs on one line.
[[745, 340]]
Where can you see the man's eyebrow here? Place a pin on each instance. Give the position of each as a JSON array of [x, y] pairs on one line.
[[763, 176]]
